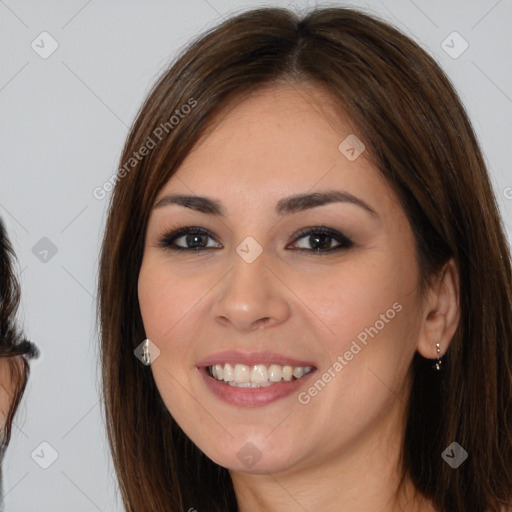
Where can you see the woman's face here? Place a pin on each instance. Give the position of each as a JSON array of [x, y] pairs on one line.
[[347, 307]]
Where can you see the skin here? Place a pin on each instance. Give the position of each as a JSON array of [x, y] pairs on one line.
[[6, 391], [343, 446]]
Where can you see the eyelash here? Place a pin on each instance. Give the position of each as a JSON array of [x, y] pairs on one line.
[[167, 242]]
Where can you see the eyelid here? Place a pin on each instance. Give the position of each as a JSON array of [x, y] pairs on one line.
[[343, 240], [178, 231]]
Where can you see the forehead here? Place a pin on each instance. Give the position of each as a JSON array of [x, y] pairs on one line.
[[280, 140], [277, 113]]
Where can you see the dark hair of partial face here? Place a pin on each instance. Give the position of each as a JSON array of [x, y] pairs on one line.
[[418, 135], [14, 348]]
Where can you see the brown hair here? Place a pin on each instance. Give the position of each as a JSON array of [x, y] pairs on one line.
[[418, 135], [13, 345]]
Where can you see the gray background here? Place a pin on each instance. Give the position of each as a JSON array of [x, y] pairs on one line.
[[63, 120]]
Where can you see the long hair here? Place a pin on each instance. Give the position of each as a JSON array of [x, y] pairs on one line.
[[13, 346], [419, 137]]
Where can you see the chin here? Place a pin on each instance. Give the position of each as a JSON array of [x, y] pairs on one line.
[[255, 456]]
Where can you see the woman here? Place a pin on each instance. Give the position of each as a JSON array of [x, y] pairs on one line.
[[15, 351], [304, 252]]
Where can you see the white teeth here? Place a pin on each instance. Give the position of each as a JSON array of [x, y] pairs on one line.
[[229, 373], [298, 372], [242, 373], [249, 384], [258, 375], [275, 373], [287, 373]]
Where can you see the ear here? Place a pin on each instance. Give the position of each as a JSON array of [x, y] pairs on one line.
[[440, 313]]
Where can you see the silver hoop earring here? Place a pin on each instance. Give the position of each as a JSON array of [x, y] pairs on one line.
[[146, 356], [439, 361]]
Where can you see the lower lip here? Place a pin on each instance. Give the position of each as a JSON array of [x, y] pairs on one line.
[[252, 397]]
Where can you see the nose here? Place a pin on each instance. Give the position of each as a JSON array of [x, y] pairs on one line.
[[251, 296]]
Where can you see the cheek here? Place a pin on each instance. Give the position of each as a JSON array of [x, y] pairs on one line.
[[151, 300], [171, 308], [370, 310], [164, 298], [358, 298]]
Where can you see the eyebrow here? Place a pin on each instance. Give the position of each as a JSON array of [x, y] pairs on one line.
[[288, 205]]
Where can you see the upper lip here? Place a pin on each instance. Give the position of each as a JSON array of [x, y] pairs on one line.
[[252, 358]]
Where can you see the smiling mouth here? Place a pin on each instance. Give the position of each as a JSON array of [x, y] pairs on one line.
[[256, 376]]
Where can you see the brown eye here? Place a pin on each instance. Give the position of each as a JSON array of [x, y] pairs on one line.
[[320, 240], [192, 238], [195, 239]]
